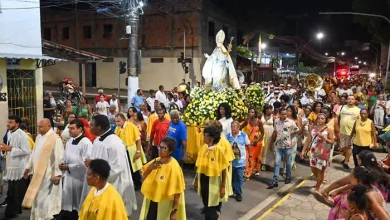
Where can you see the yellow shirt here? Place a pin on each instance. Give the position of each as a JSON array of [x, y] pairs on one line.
[[211, 161], [348, 116], [30, 141], [313, 116], [129, 134], [108, 205], [363, 133], [227, 148], [163, 183]]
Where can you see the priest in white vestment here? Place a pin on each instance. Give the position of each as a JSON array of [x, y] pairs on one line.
[[44, 192], [78, 149], [109, 147], [18, 148]]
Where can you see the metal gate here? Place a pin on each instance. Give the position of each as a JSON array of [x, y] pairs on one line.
[[22, 97]]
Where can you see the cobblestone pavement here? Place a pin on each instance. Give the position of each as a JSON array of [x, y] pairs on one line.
[[301, 204]]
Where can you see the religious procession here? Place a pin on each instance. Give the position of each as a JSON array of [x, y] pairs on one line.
[[100, 161]]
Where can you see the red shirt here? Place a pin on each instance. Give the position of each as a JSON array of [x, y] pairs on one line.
[[159, 130], [106, 98]]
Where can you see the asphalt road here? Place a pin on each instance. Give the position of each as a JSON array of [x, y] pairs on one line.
[[254, 193]]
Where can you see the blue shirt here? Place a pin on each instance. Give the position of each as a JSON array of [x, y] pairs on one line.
[[137, 101], [179, 133], [241, 140]]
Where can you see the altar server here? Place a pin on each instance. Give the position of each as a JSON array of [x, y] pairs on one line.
[[19, 151], [78, 149]]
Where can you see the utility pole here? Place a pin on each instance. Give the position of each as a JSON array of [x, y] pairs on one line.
[[132, 59]]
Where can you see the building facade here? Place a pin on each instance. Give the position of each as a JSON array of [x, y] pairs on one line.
[[161, 42], [20, 52]]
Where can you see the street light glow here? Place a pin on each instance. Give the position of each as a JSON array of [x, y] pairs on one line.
[[356, 58], [342, 53], [326, 54], [320, 35], [263, 46], [360, 61], [141, 4], [364, 63]]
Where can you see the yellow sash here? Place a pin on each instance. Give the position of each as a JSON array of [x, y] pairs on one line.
[[40, 171]]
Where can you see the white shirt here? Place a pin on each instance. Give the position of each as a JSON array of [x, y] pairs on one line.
[[319, 93], [115, 102], [161, 97], [226, 126], [19, 155], [65, 134], [102, 108], [178, 103], [99, 192], [342, 91], [76, 152], [150, 102], [47, 202]]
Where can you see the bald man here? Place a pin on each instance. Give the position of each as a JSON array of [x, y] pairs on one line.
[[44, 192]]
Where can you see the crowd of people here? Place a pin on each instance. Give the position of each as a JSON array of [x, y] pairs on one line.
[[90, 166]]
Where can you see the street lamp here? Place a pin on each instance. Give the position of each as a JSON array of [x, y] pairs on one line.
[[342, 53], [326, 54], [356, 58], [360, 61], [320, 35], [263, 46], [365, 63]]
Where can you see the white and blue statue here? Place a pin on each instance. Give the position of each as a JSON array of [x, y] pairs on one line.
[[218, 71]]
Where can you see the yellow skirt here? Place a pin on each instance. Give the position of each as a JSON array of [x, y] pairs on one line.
[[164, 209], [139, 163]]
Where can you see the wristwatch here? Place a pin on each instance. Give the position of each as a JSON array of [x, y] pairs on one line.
[[174, 210]]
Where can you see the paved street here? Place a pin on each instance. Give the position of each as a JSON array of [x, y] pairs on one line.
[[301, 204], [255, 193]]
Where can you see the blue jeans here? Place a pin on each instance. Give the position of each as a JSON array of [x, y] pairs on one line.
[[279, 153], [238, 179]]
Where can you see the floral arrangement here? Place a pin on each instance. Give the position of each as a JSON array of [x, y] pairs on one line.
[[204, 105], [254, 97]]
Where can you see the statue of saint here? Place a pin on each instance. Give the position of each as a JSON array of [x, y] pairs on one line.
[[218, 71]]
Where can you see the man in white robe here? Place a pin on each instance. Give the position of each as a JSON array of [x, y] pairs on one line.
[[18, 148], [78, 149], [109, 147], [44, 192]]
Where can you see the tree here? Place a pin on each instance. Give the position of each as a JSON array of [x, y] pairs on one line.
[[377, 26]]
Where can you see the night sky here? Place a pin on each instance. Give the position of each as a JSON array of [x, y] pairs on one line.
[[278, 17]]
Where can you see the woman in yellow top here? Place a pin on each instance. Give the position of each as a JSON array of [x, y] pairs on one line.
[[253, 127], [364, 132], [317, 106], [131, 137], [210, 180], [103, 201], [163, 186], [228, 151]]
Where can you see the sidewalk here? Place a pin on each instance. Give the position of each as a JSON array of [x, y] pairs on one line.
[[301, 204]]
